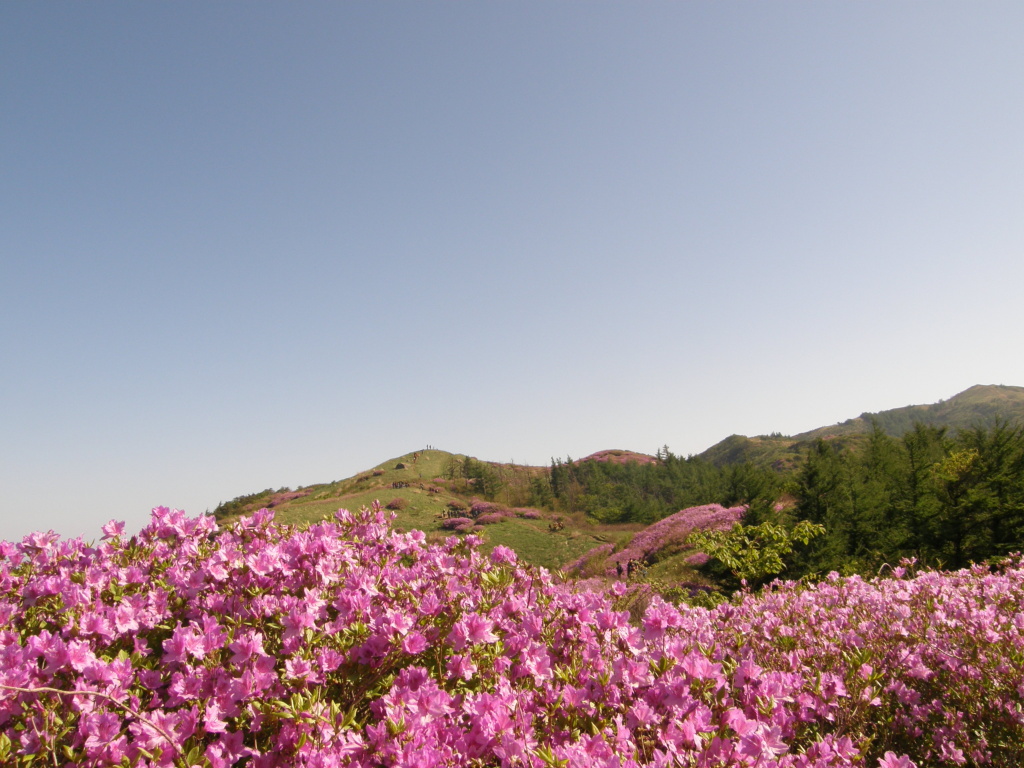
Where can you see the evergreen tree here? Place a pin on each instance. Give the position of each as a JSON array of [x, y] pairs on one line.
[[876, 533], [826, 499], [915, 504]]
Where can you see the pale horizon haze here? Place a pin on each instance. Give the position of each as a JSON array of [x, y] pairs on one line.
[[252, 245]]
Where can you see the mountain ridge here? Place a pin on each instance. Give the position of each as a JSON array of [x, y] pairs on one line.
[[978, 405]]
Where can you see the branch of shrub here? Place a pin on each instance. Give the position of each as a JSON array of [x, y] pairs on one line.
[[108, 697]]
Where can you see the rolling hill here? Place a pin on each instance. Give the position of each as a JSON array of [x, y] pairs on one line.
[[427, 493]]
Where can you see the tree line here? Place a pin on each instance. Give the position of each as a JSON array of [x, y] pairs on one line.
[[634, 492], [946, 499]]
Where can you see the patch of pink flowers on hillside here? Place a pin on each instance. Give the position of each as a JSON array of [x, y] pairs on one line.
[[672, 531], [616, 456], [348, 644]]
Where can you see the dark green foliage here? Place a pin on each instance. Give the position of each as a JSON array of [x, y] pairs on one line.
[[634, 492], [481, 476], [948, 501], [826, 498], [540, 492]]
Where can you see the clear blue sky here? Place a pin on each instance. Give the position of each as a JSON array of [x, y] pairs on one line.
[[262, 245]]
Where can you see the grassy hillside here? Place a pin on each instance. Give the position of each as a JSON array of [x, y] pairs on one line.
[[423, 481], [781, 453], [429, 487]]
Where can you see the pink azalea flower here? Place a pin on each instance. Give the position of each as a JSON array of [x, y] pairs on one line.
[[414, 643], [100, 728], [113, 529], [892, 760]]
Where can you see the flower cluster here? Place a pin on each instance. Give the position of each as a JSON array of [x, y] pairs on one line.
[[480, 507], [461, 524], [490, 518], [528, 513], [615, 456], [348, 644]]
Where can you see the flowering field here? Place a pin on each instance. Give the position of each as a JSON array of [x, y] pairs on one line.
[[347, 644]]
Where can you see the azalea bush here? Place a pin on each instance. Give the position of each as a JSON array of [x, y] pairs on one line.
[[349, 644], [457, 523], [490, 519], [672, 533], [479, 507]]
